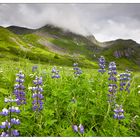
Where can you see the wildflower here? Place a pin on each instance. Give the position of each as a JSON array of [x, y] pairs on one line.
[[34, 68], [102, 65], [4, 134], [14, 109], [37, 81], [112, 78], [81, 127], [37, 94], [112, 71], [19, 89], [77, 70], [6, 100], [75, 128], [125, 81], [5, 124], [4, 112], [55, 73], [118, 112], [13, 121], [54, 69], [15, 133]]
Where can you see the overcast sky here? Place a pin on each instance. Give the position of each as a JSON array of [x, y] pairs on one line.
[[105, 21]]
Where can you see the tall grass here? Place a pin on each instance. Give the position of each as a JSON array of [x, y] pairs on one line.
[[90, 107]]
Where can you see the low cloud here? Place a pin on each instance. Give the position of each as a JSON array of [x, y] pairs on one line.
[[104, 21]]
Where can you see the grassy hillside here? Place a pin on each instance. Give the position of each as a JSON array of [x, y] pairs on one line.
[[56, 46], [34, 48], [125, 52]]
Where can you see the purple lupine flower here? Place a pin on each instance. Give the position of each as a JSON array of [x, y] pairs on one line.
[[112, 78], [15, 133], [4, 134], [54, 69], [5, 124], [77, 70], [102, 65], [14, 109], [125, 81], [19, 89], [15, 121], [7, 100], [34, 68], [8, 125], [55, 73], [75, 128], [118, 112], [75, 65], [57, 76], [37, 94], [4, 112], [81, 127], [37, 81]]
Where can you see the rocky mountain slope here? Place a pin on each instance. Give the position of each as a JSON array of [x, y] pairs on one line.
[[53, 45]]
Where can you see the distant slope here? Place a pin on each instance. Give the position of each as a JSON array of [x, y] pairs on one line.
[[20, 30], [54, 45], [37, 47], [123, 51]]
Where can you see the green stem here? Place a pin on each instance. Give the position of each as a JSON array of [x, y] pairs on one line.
[[108, 110]]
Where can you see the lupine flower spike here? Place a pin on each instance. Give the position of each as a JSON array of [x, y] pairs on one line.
[[118, 112], [37, 94], [55, 73], [125, 81], [8, 125], [112, 78], [19, 89], [77, 70], [102, 65]]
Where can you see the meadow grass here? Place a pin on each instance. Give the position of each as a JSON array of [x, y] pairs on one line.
[[59, 113]]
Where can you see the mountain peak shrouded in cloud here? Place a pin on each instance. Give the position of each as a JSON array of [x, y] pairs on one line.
[[105, 21]]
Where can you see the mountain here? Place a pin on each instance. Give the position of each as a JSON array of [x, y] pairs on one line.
[[20, 30], [58, 46]]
